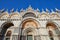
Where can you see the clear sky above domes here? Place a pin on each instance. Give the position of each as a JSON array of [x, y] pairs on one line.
[[9, 4]]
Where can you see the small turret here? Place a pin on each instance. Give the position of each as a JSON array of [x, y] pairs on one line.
[[52, 11], [29, 8], [22, 10], [57, 10], [43, 11], [3, 10], [12, 10], [47, 10], [37, 10]]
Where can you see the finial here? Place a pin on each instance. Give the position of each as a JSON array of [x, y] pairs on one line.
[[17, 10], [47, 10], [57, 10], [3, 10], [22, 10], [12, 10], [52, 11], [6, 11], [38, 10], [43, 11], [29, 8]]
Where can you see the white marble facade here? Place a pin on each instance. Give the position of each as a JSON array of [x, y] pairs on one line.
[[30, 24]]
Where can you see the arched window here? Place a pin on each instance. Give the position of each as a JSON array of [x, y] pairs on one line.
[[8, 35], [29, 25], [51, 27], [29, 15], [29, 35], [52, 30], [51, 35], [5, 26]]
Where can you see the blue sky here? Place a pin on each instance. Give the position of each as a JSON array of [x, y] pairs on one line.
[[9, 4]]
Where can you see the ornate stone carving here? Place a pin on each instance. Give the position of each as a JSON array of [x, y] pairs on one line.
[[37, 12]]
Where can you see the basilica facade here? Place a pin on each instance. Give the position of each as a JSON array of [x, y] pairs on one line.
[[30, 24]]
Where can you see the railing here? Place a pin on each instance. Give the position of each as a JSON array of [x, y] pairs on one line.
[[17, 37], [21, 19], [24, 37]]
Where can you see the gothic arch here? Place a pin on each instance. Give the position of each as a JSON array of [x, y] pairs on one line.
[[4, 28]]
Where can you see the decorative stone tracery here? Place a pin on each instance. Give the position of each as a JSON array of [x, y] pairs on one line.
[[30, 23]]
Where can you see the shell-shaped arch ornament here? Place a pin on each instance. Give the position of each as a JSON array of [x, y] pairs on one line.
[[44, 15], [15, 16], [4, 15], [54, 16], [30, 23]]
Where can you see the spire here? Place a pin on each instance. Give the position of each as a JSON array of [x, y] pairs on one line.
[[37, 10], [22, 10], [52, 11], [29, 8], [12, 10], [47, 10], [43, 11], [6, 11], [3, 10], [57, 10], [16, 11]]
